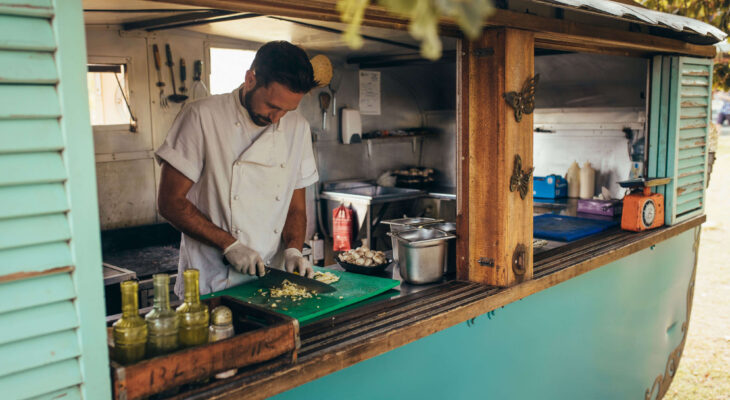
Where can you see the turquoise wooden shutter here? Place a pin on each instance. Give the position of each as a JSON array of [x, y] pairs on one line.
[[52, 329], [679, 127]]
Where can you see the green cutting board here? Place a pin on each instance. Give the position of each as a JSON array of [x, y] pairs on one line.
[[351, 288]]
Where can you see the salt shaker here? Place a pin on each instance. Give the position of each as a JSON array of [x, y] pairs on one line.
[[221, 327]]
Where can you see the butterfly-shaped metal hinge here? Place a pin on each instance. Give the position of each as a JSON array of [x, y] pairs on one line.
[[524, 101], [520, 179]]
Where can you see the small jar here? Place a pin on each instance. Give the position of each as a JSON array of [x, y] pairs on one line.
[[221, 327]]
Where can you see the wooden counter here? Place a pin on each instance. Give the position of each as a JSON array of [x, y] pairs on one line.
[[342, 340]]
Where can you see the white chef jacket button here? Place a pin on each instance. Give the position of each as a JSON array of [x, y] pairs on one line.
[[238, 231], [283, 165], [235, 197], [238, 124], [278, 198], [276, 230]]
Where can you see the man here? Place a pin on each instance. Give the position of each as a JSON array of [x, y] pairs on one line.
[[234, 171]]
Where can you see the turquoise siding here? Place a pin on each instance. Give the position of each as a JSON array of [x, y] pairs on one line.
[[52, 331], [679, 127], [606, 334]]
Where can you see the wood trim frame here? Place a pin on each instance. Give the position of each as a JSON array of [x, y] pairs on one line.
[[478, 300], [550, 33]]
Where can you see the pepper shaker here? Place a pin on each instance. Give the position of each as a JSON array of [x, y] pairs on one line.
[[221, 327]]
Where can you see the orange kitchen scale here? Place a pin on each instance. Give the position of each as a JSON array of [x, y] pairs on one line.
[[643, 209]]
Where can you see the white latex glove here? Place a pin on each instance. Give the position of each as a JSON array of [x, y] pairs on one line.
[[244, 259], [295, 262]]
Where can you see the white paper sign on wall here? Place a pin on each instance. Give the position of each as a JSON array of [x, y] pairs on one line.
[[370, 92]]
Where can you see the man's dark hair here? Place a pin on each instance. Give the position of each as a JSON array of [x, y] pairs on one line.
[[284, 63]]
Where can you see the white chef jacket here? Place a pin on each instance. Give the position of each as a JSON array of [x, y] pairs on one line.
[[244, 176]]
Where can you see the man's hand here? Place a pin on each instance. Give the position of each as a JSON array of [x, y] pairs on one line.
[[244, 259], [294, 262]]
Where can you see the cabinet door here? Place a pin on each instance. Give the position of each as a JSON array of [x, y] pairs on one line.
[[52, 326], [679, 128]]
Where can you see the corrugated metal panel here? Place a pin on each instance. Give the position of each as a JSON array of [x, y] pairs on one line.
[[639, 14], [49, 248]]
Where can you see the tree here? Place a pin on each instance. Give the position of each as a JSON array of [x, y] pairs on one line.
[[714, 12]]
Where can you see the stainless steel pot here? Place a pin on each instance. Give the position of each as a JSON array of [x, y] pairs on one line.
[[422, 253], [448, 227], [401, 224]]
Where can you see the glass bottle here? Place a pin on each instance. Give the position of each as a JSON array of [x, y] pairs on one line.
[[162, 322], [130, 331], [221, 327], [193, 314]]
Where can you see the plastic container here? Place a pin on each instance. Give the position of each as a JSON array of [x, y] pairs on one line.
[[587, 181], [573, 178]]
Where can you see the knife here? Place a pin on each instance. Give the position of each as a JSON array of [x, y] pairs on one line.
[[276, 276]]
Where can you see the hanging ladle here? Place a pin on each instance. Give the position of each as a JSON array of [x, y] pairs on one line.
[[174, 97], [324, 104]]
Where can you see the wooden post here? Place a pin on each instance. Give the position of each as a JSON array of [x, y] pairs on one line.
[[495, 224]]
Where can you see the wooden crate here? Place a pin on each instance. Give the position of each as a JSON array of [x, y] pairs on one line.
[[261, 335]]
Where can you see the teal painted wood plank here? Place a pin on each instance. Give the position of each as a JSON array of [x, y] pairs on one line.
[[693, 112], [68, 24], [691, 162], [38, 321], [692, 133], [689, 69], [32, 8], [686, 144], [693, 91], [27, 200], [686, 198], [690, 179], [28, 231], [694, 187], [28, 101], [28, 168], [693, 123], [691, 153], [30, 135], [26, 33], [694, 102], [70, 393], [666, 158], [38, 351], [697, 169], [694, 80], [27, 67], [694, 206], [35, 258], [655, 114], [40, 381], [37, 291]]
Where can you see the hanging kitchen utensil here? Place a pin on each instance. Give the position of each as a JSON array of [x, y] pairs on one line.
[[183, 76], [324, 104], [198, 89], [160, 82], [334, 86], [174, 97]]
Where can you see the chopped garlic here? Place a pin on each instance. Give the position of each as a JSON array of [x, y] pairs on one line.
[[289, 289], [326, 277]]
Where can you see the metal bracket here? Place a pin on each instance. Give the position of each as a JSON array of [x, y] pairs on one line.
[[484, 52], [486, 262], [518, 260]]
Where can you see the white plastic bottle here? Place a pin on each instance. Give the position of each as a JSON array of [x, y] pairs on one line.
[[587, 181], [573, 178]]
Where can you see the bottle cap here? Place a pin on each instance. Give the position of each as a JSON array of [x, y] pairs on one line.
[[222, 315]]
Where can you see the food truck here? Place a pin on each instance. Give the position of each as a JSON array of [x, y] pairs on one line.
[[543, 301]]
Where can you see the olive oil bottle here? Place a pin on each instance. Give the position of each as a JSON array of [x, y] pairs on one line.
[[194, 316], [130, 332], [162, 322]]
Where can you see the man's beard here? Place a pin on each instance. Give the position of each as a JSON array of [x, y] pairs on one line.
[[257, 119]]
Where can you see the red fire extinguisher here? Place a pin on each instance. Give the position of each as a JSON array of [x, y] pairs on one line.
[[342, 228]]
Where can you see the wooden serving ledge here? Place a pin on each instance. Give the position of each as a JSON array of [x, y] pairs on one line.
[[345, 339]]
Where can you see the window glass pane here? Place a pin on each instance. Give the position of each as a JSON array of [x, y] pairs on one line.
[[106, 102], [228, 68]]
